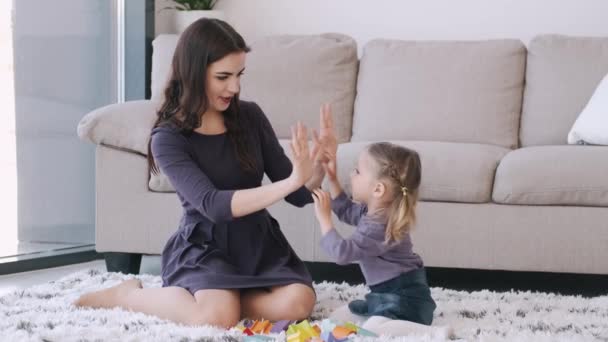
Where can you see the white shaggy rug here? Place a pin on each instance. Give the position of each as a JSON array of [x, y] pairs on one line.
[[45, 313]]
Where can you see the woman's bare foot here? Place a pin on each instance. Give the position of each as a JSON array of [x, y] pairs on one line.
[[110, 297]]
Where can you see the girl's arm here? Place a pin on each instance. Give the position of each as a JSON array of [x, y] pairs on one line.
[[358, 246], [323, 208], [346, 210], [327, 141], [361, 244]]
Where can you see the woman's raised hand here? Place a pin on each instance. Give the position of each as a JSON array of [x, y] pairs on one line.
[[302, 157]]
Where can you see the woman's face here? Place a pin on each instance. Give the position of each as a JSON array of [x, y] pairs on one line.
[[224, 80]]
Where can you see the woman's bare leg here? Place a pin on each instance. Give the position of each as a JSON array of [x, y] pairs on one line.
[[292, 302], [207, 307]]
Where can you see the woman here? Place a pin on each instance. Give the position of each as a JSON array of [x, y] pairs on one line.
[[228, 259]]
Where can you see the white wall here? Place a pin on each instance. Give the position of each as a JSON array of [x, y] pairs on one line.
[[412, 19]]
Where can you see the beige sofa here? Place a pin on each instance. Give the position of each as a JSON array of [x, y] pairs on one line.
[[501, 190]]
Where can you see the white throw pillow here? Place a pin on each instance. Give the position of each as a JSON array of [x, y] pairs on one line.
[[591, 126]]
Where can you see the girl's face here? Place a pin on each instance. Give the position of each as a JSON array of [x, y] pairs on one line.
[[223, 80], [363, 179]]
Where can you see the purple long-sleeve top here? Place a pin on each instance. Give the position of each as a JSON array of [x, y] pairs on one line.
[[378, 260]]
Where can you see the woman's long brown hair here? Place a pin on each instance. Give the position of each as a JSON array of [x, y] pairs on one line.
[[204, 42]]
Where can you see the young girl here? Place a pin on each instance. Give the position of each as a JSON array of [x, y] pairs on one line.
[[385, 187]]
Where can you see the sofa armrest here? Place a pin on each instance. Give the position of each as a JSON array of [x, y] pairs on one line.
[[125, 125]]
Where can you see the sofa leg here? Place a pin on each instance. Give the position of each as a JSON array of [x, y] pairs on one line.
[[127, 263]]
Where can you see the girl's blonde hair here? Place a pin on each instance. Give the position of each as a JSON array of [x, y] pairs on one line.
[[400, 169]]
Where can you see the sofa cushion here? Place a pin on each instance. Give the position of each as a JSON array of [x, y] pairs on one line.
[[553, 175], [440, 91], [561, 75], [163, 47], [591, 126], [455, 172], [289, 76], [158, 182], [123, 125]]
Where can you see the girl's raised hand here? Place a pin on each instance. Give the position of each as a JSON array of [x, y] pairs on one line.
[[327, 133], [322, 201], [326, 138], [330, 166]]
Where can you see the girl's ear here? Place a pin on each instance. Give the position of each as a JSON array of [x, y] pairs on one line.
[[379, 190]]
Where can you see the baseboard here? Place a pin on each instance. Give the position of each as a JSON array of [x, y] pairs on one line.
[[62, 233], [49, 259], [586, 285]]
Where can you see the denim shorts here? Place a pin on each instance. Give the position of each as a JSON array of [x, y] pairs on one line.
[[406, 297]]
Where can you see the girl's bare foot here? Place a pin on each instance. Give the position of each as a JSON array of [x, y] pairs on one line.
[[110, 297]]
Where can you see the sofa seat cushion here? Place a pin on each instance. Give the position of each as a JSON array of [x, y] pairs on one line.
[[451, 172], [553, 175]]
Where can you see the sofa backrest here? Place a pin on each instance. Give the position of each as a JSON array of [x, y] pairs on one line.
[[289, 76], [454, 91], [562, 73]]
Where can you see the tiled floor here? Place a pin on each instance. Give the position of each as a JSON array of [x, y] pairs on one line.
[[10, 282], [8, 165], [16, 248]]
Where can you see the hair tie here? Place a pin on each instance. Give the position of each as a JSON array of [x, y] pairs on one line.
[[404, 190]]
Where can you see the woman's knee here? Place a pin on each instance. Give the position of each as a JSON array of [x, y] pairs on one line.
[[298, 302], [220, 308], [223, 317]]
